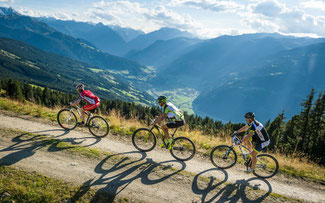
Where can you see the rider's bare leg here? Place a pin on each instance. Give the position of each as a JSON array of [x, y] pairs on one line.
[[165, 130], [254, 155], [249, 145], [82, 111]]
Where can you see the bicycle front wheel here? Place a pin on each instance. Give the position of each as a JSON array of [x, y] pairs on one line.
[[223, 156], [98, 126], [144, 140], [183, 149], [67, 119], [266, 166]]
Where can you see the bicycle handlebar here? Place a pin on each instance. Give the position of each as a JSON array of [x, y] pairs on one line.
[[234, 134]]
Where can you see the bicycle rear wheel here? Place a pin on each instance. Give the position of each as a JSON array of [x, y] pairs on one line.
[[223, 156], [266, 166], [183, 149], [67, 119], [144, 140], [98, 126]]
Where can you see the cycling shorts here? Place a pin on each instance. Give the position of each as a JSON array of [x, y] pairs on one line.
[[261, 145], [89, 107], [175, 124]]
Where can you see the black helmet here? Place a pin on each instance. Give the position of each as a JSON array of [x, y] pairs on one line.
[[250, 115], [162, 99]]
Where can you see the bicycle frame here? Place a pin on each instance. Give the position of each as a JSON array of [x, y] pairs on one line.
[[77, 108], [259, 163], [240, 146], [161, 135]]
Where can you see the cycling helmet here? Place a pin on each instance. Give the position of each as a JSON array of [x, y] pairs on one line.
[[250, 115], [80, 87], [162, 99]]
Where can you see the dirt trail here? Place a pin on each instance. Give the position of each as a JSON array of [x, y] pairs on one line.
[[135, 181]]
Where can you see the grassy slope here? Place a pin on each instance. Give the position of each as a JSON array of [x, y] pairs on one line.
[[288, 165]]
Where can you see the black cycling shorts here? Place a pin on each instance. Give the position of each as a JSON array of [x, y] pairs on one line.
[[175, 124], [261, 145]]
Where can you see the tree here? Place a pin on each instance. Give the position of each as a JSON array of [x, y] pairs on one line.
[[317, 120], [46, 96], [290, 141], [14, 90], [275, 130], [304, 123]]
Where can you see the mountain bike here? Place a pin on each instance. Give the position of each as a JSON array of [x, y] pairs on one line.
[[144, 139], [224, 156], [97, 125]]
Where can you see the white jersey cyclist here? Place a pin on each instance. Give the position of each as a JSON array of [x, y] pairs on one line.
[[173, 112], [260, 136]]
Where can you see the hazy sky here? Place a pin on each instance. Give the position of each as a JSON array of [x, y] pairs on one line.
[[206, 18]]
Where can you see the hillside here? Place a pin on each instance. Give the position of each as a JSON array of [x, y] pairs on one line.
[[21, 61], [162, 51], [211, 62], [40, 35], [143, 41], [278, 84], [103, 37]]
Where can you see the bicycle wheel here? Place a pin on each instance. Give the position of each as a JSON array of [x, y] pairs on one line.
[[144, 140], [98, 126], [183, 149], [67, 119], [223, 156], [266, 166]]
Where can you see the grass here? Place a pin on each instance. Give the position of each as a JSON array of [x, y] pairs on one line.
[[17, 185], [297, 167]]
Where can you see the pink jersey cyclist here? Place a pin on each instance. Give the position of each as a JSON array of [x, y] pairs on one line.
[[92, 100]]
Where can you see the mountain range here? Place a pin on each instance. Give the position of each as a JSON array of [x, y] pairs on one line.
[[42, 36], [262, 72]]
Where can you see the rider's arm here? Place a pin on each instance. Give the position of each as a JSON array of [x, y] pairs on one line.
[[74, 103], [244, 128], [160, 118]]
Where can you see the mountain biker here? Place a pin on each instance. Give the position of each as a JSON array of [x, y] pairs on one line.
[[257, 134], [175, 116], [92, 101]]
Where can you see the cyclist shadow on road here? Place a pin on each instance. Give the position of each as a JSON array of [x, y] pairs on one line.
[[240, 191], [25, 145], [79, 140], [115, 178]]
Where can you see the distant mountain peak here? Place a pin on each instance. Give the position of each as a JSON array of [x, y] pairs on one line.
[[8, 11]]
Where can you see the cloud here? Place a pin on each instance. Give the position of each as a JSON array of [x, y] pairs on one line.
[[270, 15], [313, 5], [35, 13], [7, 1], [213, 5], [134, 15], [270, 8]]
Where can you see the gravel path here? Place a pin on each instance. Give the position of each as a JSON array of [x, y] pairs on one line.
[[131, 178]]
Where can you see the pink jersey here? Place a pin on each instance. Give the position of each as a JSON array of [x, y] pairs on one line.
[[89, 97]]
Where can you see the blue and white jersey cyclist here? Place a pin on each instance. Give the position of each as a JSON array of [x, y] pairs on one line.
[[257, 134], [175, 116]]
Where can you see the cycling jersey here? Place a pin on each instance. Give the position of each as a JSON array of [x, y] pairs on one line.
[[89, 97], [92, 100], [260, 135], [173, 112]]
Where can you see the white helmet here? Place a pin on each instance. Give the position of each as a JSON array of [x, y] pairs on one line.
[[80, 87]]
